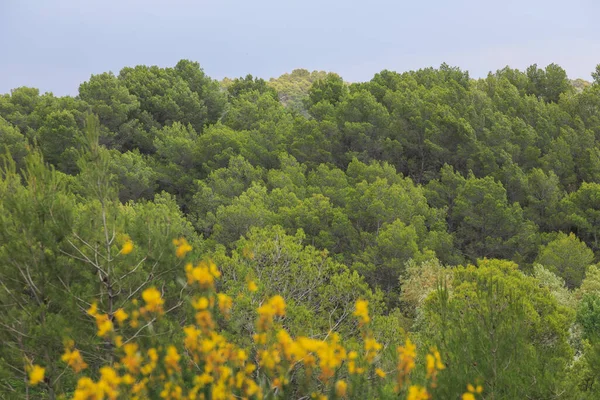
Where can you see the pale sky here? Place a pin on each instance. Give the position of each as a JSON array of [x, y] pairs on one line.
[[56, 44]]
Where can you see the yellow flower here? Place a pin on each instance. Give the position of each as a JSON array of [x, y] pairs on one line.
[[86, 388], [252, 286], [36, 374], [468, 396], [340, 388], [204, 320], [242, 356], [200, 303], [434, 364], [132, 358], [134, 323], [474, 389], [127, 247], [430, 365], [277, 304], [105, 325], [380, 373], [214, 270], [417, 393], [225, 304], [269, 359], [153, 354], [110, 377], [205, 274], [372, 345], [74, 360], [362, 311], [182, 247], [93, 310], [371, 348], [128, 379], [172, 358], [153, 300], [274, 306], [191, 337], [120, 315], [406, 362]]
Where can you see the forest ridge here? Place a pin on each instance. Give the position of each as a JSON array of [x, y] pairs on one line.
[[425, 208]]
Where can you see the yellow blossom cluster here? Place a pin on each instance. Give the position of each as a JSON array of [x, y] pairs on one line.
[[103, 321], [206, 365], [73, 357], [127, 245], [362, 312], [472, 391], [36, 374], [204, 274], [182, 247], [154, 301], [434, 364]]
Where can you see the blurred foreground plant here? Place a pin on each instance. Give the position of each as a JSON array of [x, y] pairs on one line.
[[206, 365]]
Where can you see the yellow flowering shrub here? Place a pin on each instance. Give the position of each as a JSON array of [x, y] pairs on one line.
[[127, 246], [206, 365]]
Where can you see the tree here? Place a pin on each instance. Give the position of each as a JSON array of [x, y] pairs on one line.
[[383, 262], [363, 124], [135, 176], [12, 142], [110, 99], [330, 89], [68, 242], [250, 84], [320, 291], [57, 139], [486, 224], [498, 325], [250, 209], [548, 84], [165, 95], [587, 368], [543, 197], [596, 75], [207, 89], [325, 225], [293, 88], [568, 257], [36, 218], [582, 209]]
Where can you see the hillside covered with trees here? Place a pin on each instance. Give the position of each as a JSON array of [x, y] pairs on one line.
[[258, 220]]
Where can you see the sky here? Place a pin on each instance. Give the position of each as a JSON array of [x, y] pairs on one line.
[[55, 45]]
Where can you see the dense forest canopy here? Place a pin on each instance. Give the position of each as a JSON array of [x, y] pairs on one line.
[[465, 211]]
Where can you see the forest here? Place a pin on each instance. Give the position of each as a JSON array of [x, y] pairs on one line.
[[422, 235]]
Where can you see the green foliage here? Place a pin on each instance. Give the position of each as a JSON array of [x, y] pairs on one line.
[[320, 190], [486, 224], [568, 257], [556, 285], [582, 209], [181, 94], [12, 142], [497, 325], [331, 89], [549, 83], [293, 88], [587, 385], [109, 99], [320, 292]]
